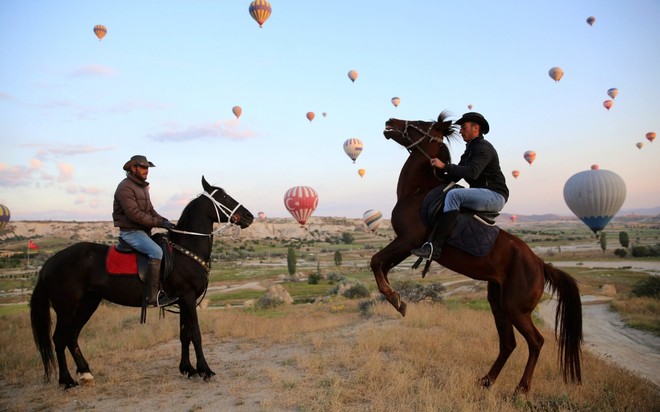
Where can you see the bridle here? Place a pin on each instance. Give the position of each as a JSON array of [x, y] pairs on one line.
[[219, 207], [425, 134]]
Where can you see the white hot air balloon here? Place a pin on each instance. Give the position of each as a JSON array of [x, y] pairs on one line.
[[396, 101], [595, 196], [613, 92], [353, 148], [372, 218]]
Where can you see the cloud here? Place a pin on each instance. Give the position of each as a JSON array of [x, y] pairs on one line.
[[35, 164], [47, 152], [131, 106], [92, 70], [228, 129], [15, 176], [66, 172]]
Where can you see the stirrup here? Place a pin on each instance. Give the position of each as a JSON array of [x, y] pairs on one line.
[[419, 252], [162, 301]]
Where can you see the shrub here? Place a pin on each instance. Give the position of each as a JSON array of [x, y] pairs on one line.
[[356, 291], [366, 308], [266, 302], [314, 278], [620, 252], [347, 238], [416, 292], [623, 239], [335, 277], [649, 287]]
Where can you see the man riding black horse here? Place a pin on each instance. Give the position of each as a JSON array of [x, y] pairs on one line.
[[480, 167]]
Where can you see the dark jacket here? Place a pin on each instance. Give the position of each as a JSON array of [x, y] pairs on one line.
[[132, 208], [480, 167]]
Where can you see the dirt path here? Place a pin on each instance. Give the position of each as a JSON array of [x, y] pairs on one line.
[[606, 335]]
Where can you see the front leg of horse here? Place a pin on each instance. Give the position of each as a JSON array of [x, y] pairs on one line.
[[380, 269], [190, 333], [185, 367]]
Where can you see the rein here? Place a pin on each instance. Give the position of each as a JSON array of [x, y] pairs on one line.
[[415, 144]]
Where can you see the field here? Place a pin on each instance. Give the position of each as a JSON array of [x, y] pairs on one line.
[[326, 352]]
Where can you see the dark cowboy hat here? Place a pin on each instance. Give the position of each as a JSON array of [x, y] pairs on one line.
[[138, 160], [477, 118]]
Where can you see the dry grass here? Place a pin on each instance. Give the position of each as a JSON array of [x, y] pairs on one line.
[[322, 357], [640, 313]]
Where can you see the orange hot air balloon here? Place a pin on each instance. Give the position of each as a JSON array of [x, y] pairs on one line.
[[530, 156], [515, 173], [100, 31], [352, 74], [595, 167], [260, 11], [556, 73], [608, 104], [237, 111], [396, 101], [310, 116], [361, 172], [301, 201], [514, 218], [650, 136], [639, 145]]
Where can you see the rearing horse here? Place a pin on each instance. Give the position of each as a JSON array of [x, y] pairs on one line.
[[75, 280], [516, 276]]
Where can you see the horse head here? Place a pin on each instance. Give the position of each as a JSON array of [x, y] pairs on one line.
[[226, 208], [425, 136]]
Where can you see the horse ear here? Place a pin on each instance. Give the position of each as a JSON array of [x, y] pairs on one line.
[[206, 185]]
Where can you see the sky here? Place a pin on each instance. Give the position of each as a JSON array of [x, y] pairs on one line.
[[164, 79]]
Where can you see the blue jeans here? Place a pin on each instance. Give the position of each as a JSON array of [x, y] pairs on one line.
[[140, 241], [482, 200]]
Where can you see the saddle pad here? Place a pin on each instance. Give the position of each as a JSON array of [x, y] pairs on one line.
[[473, 236], [121, 263]]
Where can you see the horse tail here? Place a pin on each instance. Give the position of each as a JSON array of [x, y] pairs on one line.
[[41, 324], [568, 321]]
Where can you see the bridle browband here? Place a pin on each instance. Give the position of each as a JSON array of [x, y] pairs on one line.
[[415, 144], [219, 207]]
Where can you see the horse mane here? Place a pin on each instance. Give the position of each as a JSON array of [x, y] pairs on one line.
[[450, 131]]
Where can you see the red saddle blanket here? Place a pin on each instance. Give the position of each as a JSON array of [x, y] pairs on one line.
[[121, 263]]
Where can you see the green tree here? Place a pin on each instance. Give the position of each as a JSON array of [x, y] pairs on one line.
[[623, 239], [347, 238], [291, 260], [337, 258], [603, 241]]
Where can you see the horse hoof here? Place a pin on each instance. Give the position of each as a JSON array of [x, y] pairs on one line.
[[402, 308], [521, 390], [486, 382], [86, 379], [69, 385]]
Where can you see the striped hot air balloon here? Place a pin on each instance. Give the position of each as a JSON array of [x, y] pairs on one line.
[[310, 116], [301, 201], [353, 148], [372, 218], [530, 156], [650, 136], [4, 216], [100, 31], [595, 196], [260, 11]]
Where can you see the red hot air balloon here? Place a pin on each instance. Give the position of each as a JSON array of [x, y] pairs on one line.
[[260, 11], [650, 136], [469, 107], [515, 173], [608, 104], [530, 156], [301, 201], [514, 218], [237, 111], [310, 116], [595, 167]]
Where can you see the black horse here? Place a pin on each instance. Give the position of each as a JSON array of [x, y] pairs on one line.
[[75, 280]]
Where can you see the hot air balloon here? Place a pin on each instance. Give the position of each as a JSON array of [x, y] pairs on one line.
[[373, 218], [595, 167], [301, 201], [556, 73], [352, 74], [639, 145], [237, 111], [591, 20], [515, 173], [613, 92], [608, 104], [100, 31], [260, 11], [361, 172], [310, 116], [325, 114], [469, 107], [650, 136], [261, 215], [530, 156], [514, 218], [4, 216], [396, 101], [353, 148], [595, 196]]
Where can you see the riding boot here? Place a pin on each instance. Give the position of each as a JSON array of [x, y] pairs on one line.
[[441, 231], [155, 300]]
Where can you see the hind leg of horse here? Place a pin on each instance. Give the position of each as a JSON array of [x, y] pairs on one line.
[[85, 310], [61, 336], [504, 331], [381, 263], [525, 325]]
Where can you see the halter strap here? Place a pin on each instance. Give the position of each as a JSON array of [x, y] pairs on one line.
[[415, 144], [219, 207]]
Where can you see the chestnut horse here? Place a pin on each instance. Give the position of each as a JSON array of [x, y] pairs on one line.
[[74, 281], [516, 276]]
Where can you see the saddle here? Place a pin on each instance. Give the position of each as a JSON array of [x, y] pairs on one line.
[[123, 260]]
